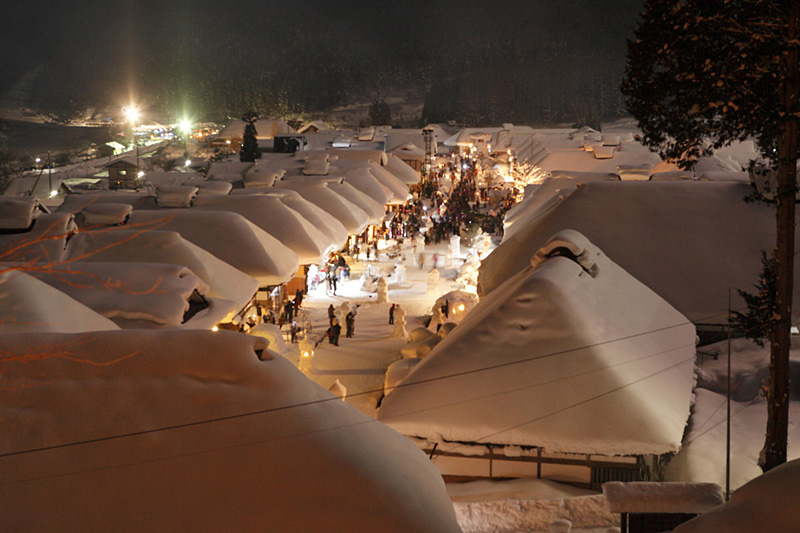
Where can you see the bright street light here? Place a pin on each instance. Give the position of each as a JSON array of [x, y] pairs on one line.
[[131, 113]]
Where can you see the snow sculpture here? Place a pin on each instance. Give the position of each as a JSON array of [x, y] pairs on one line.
[[399, 323], [383, 292], [419, 244], [400, 272], [455, 245], [448, 256], [433, 280], [338, 389]]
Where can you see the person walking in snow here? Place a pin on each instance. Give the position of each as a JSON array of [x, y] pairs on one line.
[[331, 314], [336, 330], [349, 323], [391, 314]]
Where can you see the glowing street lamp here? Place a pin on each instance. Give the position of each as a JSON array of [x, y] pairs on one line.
[[186, 127], [133, 115]]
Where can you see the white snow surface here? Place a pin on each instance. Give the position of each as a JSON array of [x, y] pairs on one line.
[[228, 236], [277, 219], [190, 431], [319, 218], [689, 241], [27, 304], [154, 292], [571, 357], [770, 502], [155, 246], [318, 193]]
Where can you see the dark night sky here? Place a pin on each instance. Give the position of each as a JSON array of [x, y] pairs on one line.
[[168, 50]]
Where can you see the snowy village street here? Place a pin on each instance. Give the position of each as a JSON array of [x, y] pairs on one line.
[[521, 267]]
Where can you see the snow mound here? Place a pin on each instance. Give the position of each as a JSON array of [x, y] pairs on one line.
[[770, 502], [572, 354], [191, 431]]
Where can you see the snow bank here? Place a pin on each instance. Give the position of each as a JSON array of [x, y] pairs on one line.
[[190, 431], [533, 515], [572, 355], [770, 502]]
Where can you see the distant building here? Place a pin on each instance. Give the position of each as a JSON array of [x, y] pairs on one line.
[[123, 173]]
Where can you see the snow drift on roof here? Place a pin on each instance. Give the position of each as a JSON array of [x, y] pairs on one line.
[[155, 246], [27, 304], [319, 218], [401, 170], [317, 192], [229, 237], [44, 243], [361, 178], [277, 219], [153, 292], [689, 241], [191, 431], [572, 354], [369, 205]]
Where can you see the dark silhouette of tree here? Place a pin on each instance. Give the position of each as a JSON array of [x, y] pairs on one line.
[[701, 75], [379, 113], [249, 152]]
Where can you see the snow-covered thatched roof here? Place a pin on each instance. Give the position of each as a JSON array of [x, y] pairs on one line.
[[689, 241], [195, 431], [401, 170], [317, 192], [134, 294], [231, 287], [27, 304], [320, 219], [230, 237], [571, 354], [276, 218]]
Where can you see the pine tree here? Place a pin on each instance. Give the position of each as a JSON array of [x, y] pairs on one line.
[[249, 152], [701, 75], [380, 114]]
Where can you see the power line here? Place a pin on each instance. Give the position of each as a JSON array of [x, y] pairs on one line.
[[334, 398], [323, 430]]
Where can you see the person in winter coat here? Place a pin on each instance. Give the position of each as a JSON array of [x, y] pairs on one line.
[[349, 323], [331, 314], [336, 330], [391, 314]]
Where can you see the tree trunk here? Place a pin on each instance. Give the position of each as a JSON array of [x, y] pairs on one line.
[[774, 451]]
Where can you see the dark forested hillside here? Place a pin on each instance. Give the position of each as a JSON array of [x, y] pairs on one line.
[[528, 61]]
